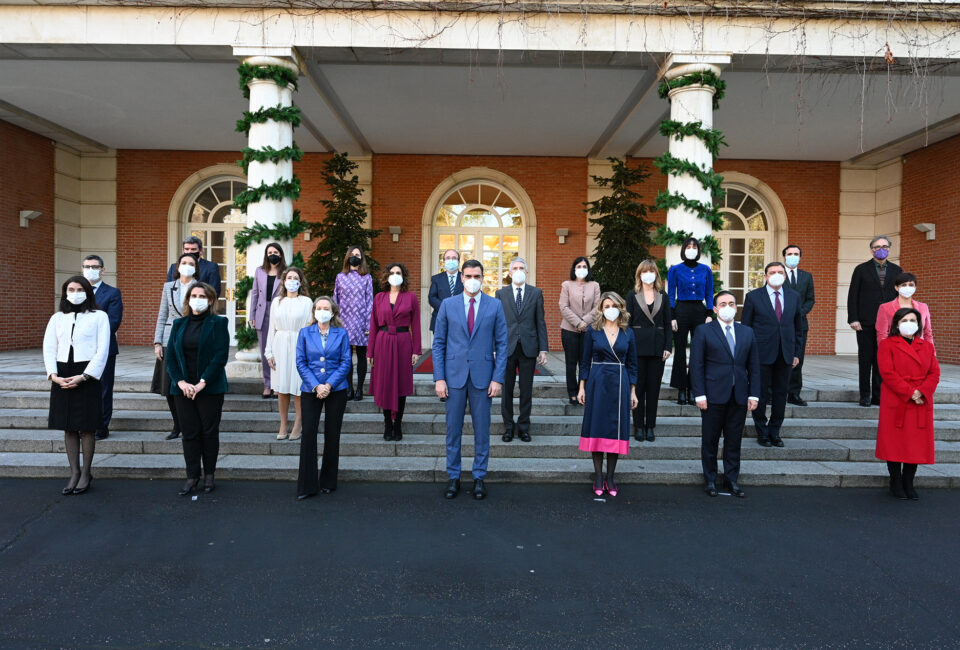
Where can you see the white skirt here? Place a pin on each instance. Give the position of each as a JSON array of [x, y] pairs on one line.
[[285, 379]]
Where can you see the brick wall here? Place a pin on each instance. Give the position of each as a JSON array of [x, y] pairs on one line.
[[26, 183], [931, 194]]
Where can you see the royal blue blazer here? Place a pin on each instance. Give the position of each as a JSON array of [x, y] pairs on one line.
[[458, 355], [318, 365]]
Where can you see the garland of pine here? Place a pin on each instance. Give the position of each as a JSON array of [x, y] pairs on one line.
[[244, 286], [278, 74], [258, 232], [269, 154], [278, 113], [282, 189], [669, 164]]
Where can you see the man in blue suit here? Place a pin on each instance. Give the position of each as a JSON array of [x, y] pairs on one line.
[[725, 377], [109, 300], [444, 284], [469, 365], [773, 311], [207, 271]]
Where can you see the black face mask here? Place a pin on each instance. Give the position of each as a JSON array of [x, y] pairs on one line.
[[354, 261], [273, 259]]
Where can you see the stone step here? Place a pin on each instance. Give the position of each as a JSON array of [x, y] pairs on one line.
[[542, 406], [501, 470], [432, 445], [569, 425]]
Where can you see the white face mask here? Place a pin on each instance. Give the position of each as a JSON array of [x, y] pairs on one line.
[[648, 278], [292, 286], [793, 261], [581, 272], [471, 285], [727, 313], [451, 265], [611, 313], [199, 305], [77, 297], [908, 327], [395, 279], [187, 270], [776, 280], [323, 315], [519, 276], [691, 253], [92, 274], [907, 291]]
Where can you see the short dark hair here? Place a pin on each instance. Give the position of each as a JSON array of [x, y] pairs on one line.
[[573, 267], [97, 258], [90, 304], [196, 263], [788, 247], [771, 265], [469, 264], [192, 239], [903, 278], [898, 316], [283, 258], [723, 293], [385, 275]]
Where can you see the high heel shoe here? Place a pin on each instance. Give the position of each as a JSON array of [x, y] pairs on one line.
[[189, 486], [81, 490], [610, 486], [208, 484], [598, 486], [71, 486]]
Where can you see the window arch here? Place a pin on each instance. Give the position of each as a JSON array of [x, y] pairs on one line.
[[746, 240]]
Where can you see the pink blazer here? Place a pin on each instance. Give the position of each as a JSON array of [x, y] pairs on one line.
[[885, 318]]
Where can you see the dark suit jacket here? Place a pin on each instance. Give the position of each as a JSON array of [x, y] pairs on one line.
[[773, 337], [212, 354], [652, 338], [528, 329], [866, 295], [804, 287], [716, 373], [109, 300], [440, 291], [207, 272]]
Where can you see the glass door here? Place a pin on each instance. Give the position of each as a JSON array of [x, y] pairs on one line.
[[746, 243], [495, 252]]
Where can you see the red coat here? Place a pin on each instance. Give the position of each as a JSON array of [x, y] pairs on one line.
[[905, 429], [391, 351]]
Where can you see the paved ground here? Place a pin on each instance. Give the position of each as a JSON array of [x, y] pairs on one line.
[[132, 565]]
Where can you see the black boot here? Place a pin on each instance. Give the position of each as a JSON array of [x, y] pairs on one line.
[[681, 396], [359, 396], [896, 481], [387, 426], [398, 418], [909, 471]]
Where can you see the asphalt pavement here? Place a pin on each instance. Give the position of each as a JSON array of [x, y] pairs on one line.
[[131, 564]]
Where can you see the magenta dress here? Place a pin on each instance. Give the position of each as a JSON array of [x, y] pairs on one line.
[[391, 350], [354, 295]]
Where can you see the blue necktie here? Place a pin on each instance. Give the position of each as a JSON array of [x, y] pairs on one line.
[[731, 342], [453, 282]]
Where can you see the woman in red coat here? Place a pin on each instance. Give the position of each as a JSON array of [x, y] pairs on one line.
[[910, 372], [394, 347]]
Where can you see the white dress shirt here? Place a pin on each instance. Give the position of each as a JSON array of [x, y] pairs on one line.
[[476, 304], [773, 299], [87, 332]]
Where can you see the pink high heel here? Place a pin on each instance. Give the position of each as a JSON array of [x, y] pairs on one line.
[[610, 487], [598, 486]]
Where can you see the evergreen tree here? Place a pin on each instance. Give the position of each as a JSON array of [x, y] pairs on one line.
[[342, 226], [625, 233]]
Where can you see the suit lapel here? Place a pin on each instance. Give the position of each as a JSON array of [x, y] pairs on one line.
[[480, 313], [908, 349], [721, 335]]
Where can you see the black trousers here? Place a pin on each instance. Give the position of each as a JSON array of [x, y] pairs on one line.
[[527, 366], [773, 388], [106, 390], [648, 391], [572, 354], [311, 407], [200, 425], [726, 420], [796, 374], [867, 357], [689, 315]]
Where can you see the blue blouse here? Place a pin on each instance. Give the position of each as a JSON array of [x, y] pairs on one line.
[[685, 283]]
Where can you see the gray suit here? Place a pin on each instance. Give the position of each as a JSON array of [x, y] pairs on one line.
[[803, 286], [526, 337]]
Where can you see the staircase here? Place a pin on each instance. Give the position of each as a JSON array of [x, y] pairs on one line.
[[828, 443]]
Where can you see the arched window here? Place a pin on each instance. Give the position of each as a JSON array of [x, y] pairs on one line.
[[746, 241], [482, 221]]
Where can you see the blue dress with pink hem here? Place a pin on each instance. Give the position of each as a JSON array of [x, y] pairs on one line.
[[609, 373]]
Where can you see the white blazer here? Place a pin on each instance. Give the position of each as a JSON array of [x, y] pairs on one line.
[[89, 334]]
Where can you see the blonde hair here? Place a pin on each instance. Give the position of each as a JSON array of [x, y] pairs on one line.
[[334, 307], [623, 322], [648, 265]]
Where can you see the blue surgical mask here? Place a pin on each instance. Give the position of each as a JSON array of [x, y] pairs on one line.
[[451, 265], [793, 261]]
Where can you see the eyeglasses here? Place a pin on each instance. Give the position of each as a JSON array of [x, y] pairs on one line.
[[96, 266], [884, 246]]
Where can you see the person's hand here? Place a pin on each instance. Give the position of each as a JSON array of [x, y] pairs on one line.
[[855, 326], [185, 388], [666, 354], [413, 359], [542, 359], [633, 399], [494, 389], [250, 323], [917, 397], [702, 404], [72, 382], [673, 325], [158, 351], [370, 362], [272, 363], [582, 327], [199, 386], [582, 396], [319, 391], [796, 362], [752, 404], [442, 391]]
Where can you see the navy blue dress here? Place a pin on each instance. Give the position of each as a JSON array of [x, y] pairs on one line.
[[609, 373]]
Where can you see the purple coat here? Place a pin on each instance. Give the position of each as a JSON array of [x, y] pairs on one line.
[[260, 301], [390, 350], [354, 295]]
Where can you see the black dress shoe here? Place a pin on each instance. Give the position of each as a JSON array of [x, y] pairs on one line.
[[443, 399], [651, 436], [453, 487], [301, 497], [81, 490], [573, 400], [875, 401], [864, 401], [479, 492], [681, 398], [736, 491], [350, 394], [796, 400], [173, 435], [359, 396], [639, 433], [524, 436], [208, 484], [507, 435], [189, 487], [763, 442], [776, 442], [102, 434], [267, 395], [710, 489]]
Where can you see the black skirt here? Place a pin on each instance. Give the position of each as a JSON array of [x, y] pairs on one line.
[[75, 409], [160, 384]]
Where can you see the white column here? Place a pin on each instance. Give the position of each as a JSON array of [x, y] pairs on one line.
[[693, 103]]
